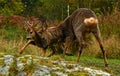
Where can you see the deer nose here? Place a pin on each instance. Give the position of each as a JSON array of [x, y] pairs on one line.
[[28, 38]]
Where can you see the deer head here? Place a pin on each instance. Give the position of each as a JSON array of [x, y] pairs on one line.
[[30, 30], [30, 35]]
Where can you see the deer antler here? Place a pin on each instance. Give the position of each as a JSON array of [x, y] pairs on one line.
[[29, 23]]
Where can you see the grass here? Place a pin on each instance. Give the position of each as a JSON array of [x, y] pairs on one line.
[[93, 62]]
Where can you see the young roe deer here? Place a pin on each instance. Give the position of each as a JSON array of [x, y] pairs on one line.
[[74, 27]]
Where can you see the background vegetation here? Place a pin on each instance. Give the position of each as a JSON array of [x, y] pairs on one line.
[[14, 12]]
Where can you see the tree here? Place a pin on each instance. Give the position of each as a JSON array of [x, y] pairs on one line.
[[8, 7], [30, 6]]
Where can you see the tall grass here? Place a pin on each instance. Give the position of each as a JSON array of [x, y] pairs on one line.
[[13, 46], [110, 31]]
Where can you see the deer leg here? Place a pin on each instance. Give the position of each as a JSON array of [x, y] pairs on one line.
[[80, 40], [97, 36], [68, 52], [79, 53], [80, 49], [66, 45], [53, 51], [22, 49], [43, 52]]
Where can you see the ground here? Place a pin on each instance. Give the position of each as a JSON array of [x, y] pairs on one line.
[[32, 65]]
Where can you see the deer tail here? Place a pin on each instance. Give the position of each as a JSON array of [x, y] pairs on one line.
[[90, 21]]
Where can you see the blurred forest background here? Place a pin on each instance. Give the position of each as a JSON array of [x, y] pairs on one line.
[[14, 12]]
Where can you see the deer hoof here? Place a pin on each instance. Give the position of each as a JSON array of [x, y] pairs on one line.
[[20, 52], [106, 65], [68, 54]]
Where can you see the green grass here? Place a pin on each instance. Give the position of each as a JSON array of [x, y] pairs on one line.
[[12, 33]]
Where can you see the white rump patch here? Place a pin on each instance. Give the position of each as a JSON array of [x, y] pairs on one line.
[[90, 21]]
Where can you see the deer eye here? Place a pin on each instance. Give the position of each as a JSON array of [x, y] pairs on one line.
[[30, 32]]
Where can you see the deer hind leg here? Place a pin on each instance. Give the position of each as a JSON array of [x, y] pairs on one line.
[[53, 51], [80, 40], [66, 45], [97, 36]]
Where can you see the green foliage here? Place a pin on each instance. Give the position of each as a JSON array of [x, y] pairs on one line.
[[8, 7], [30, 6], [55, 9], [51, 9], [12, 33]]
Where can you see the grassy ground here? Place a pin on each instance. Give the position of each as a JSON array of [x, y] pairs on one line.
[[97, 63]]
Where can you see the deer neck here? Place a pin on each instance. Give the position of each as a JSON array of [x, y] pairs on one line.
[[39, 41]]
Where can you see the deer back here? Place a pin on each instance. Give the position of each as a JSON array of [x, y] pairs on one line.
[[84, 20]]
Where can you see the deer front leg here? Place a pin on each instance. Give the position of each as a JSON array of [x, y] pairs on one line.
[[64, 47], [97, 36], [53, 51], [22, 49], [43, 52]]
